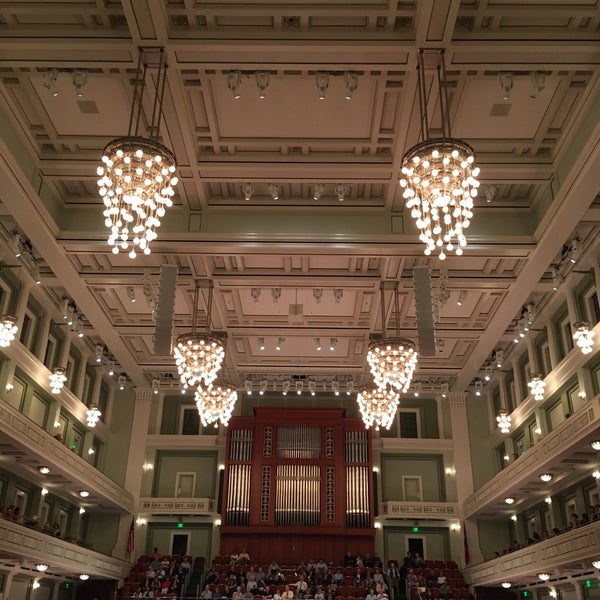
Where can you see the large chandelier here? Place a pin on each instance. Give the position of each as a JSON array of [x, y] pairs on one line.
[[378, 406], [439, 175], [57, 380], [93, 415], [537, 386], [504, 421], [137, 174], [216, 403], [583, 337], [199, 355], [392, 360], [8, 330]]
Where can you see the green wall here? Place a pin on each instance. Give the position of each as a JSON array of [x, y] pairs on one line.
[[436, 543], [199, 541], [493, 537], [484, 462], [102, 530], [115, 454], [430, 467], [169, 463]]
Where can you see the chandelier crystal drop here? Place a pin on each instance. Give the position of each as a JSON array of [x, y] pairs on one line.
[[378, 406], [93, 415], [137, 177], [439, 175], [216, 403], [198, 357], [440, 182], [392, 362], [583, 337], [537, 386], [504, 421], [137, 174], [58, 378], [8, 330]]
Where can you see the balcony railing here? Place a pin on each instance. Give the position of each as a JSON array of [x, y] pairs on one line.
[[575, 549], [26, 434], [186, 506], [64, 557], [419, 510], [569, 434]]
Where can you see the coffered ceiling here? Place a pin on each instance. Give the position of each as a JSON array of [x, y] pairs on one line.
[[539, 155]]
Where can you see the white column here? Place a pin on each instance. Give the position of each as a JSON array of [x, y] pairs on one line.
[[572, 308], [7, 375], [22, 304], [463, 466], [135, 461], [518, 381], [96, 385], [42, 341], [64, 351], [552, 347], [81, 375]]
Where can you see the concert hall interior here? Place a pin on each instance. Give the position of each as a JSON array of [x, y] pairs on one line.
[[297, 341]]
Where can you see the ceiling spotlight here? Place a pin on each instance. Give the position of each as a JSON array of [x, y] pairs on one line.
[[84, 577], [545, 477], [247, 190], [544, 576], [299, 387], [445, 390], [318, 295], [35, 272], [595, 444], [505, 584], [248, 386], [121, 382], [50, 78], [341, 191], [462, 296], [276, 294], [155, 385], [418, 388], [263, 387], [332, 344], [538, 83], [490, 193], [83, 493], [499, 358], [349, 387], [285, 387], [574, 249], [261, 343], [557, 277], [255, 294], [350, 83], [322, 81], [506, 84], [279, 343], [530, 309], [41, 567], [338, 294], [262, 83], [318, 344], [110, 368], [509, 500], [273, 189], [478, 386], [79, 81], [318, 190], [98, 353], [44, 470], [335, 387], [131, 293], [234, 81], [312, 387], [489, 372]]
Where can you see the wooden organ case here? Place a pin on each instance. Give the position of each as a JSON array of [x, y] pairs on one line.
[[297, 485]]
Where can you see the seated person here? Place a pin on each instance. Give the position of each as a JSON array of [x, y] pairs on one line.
[[419, 562], [377, 562], [233, 558], [287, 594], [371, 595], [243, 558], [319, 595], [238, 594], [301, 586], [338, 577], [261, 588], [212, 576], [445, 591], [260, 574], [349, 560]]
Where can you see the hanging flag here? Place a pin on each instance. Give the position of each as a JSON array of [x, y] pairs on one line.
[[466, 543], [131, 539]]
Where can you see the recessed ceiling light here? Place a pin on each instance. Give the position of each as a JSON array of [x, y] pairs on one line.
[[41, 567], [595, 444], [596, 564], [545, 476], [84, 576], [84, 493], [544, 576], [509, 500], [44, 470], [505, 584]]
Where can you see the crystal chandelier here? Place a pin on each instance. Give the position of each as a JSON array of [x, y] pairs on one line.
[[216, 403], [57, 380], [8, 330], [583, 337], [537, 386], [439, 175], [93, 415], [378, 406], [392, 360], [199, 355], [137, 174], [504, 421]]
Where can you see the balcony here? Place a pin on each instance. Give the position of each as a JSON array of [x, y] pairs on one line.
[[30, 547], [33, 446], [557, 449], [567, 553], [419, 510], [178, 506]]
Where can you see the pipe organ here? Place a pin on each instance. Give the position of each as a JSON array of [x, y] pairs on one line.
[[298, 477]]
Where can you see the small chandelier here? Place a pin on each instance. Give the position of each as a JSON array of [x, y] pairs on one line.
[[93, 415], [504, 421], [199, 355], [216, 402], [439, 175], [8, 330], [583, 337], [378, 406], [537, 386], [57, 380], [137, 174], [392, 360]]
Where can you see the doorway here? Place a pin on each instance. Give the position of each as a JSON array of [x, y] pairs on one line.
[[179, 543], [415, 545]]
